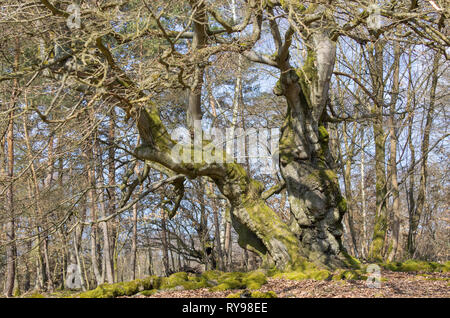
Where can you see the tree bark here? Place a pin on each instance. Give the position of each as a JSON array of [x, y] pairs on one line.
[[395, 224], [364, 243], [11, 251], [107, 258], [420, 202], [35, 195], [164, 240], [134, 241], [93, 217], [346, 168], [317, 206], [10, 225], [218, 243], [380, 227], [111, 227], [198, 42]]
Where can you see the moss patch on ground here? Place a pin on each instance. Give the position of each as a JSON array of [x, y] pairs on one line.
[[349, 275], [320, 274], [254, 294], [239, 280], [123, 288], [307, 274], [249, 282], [417, 266], [35, 295], [147, 293], [215, 280], [182, 280]]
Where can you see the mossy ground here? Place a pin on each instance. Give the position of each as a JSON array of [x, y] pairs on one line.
[[417, 266], [248, 283], [358, 271], [215, 280], [254, 294], [35, 295], [123, 288], [321, 274]]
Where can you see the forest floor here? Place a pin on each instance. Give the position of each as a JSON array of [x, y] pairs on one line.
[[392, 285]]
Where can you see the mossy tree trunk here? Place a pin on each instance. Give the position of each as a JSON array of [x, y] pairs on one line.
[[377, 247], [260, 229], [393, 174], [316, 203]]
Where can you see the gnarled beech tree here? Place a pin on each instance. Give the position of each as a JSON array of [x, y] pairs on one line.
[[316, 204], [313, 235]]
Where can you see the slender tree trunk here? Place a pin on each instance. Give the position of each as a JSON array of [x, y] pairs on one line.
[[36, 194], [11, 251], [228, 246], [381, 223], [78, 233], [346, 167], [236, 103], [134, 244], [107, 259], [28, 267], [174, 268], [111, 227], [165, 247], [10, 225], [412, 184], [115, 254], [93, 217], [135, 234], [150, 260], [420, 203], [201, 228], [65, 255], [198, 42], [217, 235], [365, 243], [395, 224], [48, 183], [219, 232]]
